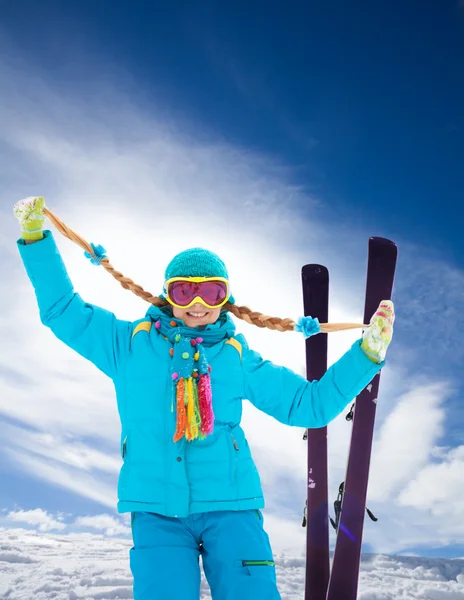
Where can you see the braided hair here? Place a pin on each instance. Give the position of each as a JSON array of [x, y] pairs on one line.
[[241, 312]]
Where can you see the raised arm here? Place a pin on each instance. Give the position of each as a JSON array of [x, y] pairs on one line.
[[293, 400], [95, 333]]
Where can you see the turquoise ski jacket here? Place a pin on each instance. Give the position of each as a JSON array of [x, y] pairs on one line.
[[178, 479]]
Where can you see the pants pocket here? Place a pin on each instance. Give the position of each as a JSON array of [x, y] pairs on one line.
[[258, 568], [250, 564], [252, 579]]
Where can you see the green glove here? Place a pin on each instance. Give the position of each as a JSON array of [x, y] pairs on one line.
[[29, 213], [378, 336]]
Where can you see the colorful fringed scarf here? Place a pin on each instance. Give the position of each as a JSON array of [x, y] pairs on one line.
[[190, 371]]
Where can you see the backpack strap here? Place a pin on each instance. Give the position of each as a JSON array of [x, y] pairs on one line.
[[237, 345], [142, 326]]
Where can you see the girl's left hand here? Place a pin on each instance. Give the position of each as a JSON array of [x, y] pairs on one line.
[[378, 336]]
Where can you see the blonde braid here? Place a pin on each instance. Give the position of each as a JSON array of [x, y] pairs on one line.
[[260, 320], [126, 283], [241, 312], [278, 324]]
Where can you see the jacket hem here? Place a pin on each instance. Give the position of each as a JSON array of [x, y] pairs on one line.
[[195, 507], [243, 504]]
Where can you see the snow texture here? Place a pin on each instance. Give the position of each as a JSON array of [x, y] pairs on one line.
[[92, 567]]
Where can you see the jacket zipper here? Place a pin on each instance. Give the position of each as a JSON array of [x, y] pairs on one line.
[[234, 457], [258, 563], [234, 442], [124, 447]]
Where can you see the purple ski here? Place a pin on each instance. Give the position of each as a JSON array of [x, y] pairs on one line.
[[343, 581], [315, 280]]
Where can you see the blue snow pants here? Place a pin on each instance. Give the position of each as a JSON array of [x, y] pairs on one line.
[[235, 550]]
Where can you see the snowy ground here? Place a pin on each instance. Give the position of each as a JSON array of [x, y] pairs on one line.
[[42, 566]]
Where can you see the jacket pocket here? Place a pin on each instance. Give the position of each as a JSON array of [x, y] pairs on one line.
[[124, 438], [234, 441], [234, 450]]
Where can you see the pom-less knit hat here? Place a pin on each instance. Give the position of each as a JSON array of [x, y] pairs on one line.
[[197, 262]]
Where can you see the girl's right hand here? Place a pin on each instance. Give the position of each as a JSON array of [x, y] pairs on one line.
[[29, 213], [377, 337]]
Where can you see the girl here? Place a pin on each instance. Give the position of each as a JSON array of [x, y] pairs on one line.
[[180, 373]]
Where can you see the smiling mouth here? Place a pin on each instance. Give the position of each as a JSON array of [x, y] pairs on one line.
[[197, 315]]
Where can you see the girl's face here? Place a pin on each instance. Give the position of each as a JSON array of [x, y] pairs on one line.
[[197, 315]]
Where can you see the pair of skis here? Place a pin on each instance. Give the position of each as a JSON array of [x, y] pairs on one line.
[[341, 582]]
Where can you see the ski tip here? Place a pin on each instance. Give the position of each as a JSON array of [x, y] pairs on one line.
[[382, 240], [313, 270], [383, 245]]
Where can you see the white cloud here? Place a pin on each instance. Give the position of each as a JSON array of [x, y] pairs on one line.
[[65, 450], [104, 522], [438, 488], [405, 442], [80, 482], [37, 518]]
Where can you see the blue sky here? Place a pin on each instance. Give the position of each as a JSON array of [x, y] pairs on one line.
[[303, 130], [363, 101]]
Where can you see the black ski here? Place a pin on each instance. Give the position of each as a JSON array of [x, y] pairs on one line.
[[343, 582], [315, 279]]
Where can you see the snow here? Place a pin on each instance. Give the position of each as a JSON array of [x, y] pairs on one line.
[[47, 566]]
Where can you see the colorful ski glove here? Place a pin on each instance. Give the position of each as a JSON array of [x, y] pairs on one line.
[[29, 213], [378, 336]]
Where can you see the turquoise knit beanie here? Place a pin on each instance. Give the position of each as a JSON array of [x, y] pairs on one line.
[[197, 262]]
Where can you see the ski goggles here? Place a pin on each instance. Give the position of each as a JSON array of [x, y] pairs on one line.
[[183, 292]]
